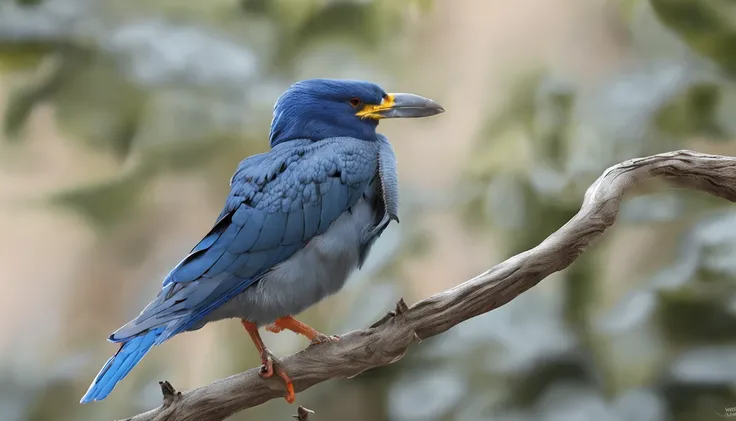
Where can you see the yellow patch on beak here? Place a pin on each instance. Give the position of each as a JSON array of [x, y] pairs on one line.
[[374, 111]]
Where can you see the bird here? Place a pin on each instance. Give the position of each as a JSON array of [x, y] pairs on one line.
[[298, 220]]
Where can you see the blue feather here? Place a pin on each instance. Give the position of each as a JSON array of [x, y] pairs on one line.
[[222, 264], [294, 230], [258, 262], [119, 365], [320, 109], [311, 219], [248, 236], [321, 163], [333, 202], [273, 231]]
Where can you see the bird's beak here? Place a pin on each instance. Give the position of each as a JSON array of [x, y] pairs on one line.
[[401, 105]]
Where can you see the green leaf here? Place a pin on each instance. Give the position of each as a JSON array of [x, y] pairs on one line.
[[707, 26]]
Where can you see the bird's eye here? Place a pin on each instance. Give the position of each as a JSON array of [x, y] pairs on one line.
[[355, 101]]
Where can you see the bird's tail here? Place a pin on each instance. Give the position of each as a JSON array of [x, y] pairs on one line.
[[120, 364]]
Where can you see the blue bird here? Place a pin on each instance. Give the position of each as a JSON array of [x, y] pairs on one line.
[[298, 220]]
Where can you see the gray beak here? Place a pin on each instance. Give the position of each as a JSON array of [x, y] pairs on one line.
[[409, 106], [401, 105]]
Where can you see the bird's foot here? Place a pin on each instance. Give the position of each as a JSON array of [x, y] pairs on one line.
[[294, 325], [267, 364], [270, 365], [321, 338]]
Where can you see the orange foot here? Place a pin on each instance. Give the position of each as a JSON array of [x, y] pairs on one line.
[[294, 325], [269, 363]]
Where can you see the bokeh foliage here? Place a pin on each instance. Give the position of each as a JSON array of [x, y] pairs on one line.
[[185, 94], [176, 87], [666, 350], [172, 94]]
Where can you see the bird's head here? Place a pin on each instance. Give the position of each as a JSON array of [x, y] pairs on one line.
[[322, 108]]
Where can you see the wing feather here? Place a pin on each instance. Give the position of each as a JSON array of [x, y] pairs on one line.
[[248, 236], [272, 233], [278, 201], [294, 231]]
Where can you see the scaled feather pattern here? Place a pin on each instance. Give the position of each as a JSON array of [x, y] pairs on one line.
[[297, 221]]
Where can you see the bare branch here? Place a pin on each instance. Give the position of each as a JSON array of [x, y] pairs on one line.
[[171, 395], [387, 341]]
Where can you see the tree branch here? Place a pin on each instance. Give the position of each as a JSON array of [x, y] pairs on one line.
[[302, 414], [388, 340]]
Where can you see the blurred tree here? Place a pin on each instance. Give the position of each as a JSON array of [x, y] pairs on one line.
[[175, 87], [552, 354], [170, 86], [167, 95]]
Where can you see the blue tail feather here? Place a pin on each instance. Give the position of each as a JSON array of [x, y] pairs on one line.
[[120, 364]]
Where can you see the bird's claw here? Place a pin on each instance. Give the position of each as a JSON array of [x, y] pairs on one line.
[[267, 363], [290, 394], [270, 365], [321, 337], [274, 328]]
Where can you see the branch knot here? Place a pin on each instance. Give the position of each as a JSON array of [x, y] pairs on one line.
[[171, 395]]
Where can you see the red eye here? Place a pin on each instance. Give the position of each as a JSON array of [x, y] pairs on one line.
[[355, 101]]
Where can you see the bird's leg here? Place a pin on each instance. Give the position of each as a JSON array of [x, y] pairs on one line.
[[269, 363], [294, 325]]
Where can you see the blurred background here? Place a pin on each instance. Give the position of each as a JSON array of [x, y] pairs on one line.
[[122, 122]]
